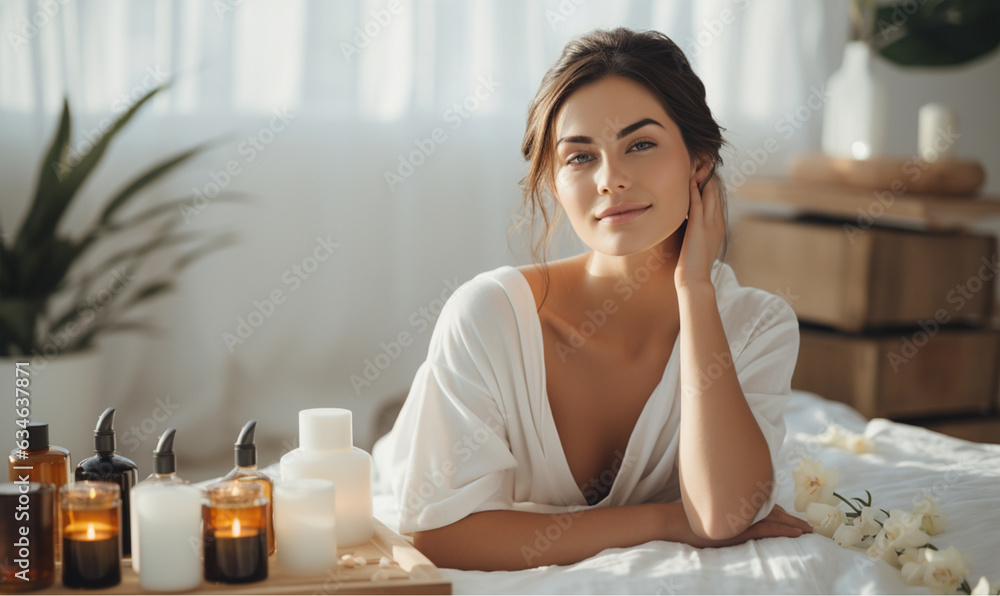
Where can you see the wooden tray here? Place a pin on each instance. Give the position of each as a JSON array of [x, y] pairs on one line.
[[951, 178], [422, 576]]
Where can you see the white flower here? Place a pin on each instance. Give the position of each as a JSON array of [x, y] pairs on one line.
[[982, 587], [882, 549], [847, 535], [814, 483], [914, 565], [825, 519], [933, 522], [944, 569], [902, 530], [866, 523]]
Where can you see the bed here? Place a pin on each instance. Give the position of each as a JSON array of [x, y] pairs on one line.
[[908, 463]]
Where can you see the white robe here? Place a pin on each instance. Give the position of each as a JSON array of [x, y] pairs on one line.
[[476, 432]]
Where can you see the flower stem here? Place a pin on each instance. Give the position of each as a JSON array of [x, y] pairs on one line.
[[855, 510]]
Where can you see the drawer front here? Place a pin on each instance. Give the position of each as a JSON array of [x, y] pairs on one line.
[[877, 279]]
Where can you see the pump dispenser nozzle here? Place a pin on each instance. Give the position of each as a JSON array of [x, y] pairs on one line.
[[164, 461], [104, 434], [246, 450]]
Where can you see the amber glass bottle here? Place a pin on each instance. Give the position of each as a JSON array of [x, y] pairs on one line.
[[42, 463], [246, 471]]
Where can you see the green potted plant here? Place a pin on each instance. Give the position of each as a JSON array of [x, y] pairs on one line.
[[53, 305]]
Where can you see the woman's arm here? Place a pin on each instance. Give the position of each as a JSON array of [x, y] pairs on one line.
[[723, 458], [512, 540]]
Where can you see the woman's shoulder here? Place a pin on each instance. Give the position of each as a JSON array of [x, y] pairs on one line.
[[490, 302], [748, 306]]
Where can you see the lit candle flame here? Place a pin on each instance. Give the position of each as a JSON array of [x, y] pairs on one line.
[[236, 528], [90, 531], [93, 492]]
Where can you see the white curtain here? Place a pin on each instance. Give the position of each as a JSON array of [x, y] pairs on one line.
[[319, 104]]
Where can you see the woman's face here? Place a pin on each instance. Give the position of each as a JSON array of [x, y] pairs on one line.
[[622, 172]]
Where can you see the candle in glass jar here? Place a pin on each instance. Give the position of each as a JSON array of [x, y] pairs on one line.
[[91, 534], [304, 513], [234, 536]]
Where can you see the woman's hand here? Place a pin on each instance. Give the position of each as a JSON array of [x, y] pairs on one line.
[[777, 524], [706, 229]]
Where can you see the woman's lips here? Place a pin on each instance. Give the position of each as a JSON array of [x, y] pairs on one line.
[[624, 216]]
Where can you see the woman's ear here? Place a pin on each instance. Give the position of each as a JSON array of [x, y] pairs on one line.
[[701, 170]]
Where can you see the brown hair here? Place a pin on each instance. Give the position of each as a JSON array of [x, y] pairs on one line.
[[649, 58]]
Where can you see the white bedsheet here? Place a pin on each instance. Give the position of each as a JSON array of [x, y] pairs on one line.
[[908, 463]]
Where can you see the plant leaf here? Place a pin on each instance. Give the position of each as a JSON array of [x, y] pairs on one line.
[[150, 290], [45, 267], [47, 190], [149, 176], [217, 243], [17, 324], [55, 192]]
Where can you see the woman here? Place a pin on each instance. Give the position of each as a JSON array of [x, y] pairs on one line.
[[628, 394]]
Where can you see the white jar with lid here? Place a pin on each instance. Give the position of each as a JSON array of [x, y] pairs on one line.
[[326, 451]]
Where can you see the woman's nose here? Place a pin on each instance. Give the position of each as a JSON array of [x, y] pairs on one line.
[[612, 177]]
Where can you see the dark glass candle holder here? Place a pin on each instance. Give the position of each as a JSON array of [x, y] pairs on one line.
[[235, 532], [91, 534], [27, 543]]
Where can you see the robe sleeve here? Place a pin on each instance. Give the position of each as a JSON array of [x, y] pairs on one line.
[[448, 451], [764, 368]]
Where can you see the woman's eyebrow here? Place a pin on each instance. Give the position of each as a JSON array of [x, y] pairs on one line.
[[621, 133]]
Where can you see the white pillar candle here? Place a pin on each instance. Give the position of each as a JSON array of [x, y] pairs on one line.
[[304, 525], [169, 524], [937, 133]]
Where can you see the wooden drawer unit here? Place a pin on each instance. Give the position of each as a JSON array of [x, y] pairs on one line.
[[910, 374], [867, 280]]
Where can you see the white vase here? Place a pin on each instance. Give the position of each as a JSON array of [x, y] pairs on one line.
[[65, 392], [854, 119]]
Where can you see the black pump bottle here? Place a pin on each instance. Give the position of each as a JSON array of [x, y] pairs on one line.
[[107, 466]]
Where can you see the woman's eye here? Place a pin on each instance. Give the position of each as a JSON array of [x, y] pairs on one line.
[[579, 158], [642, 145]]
